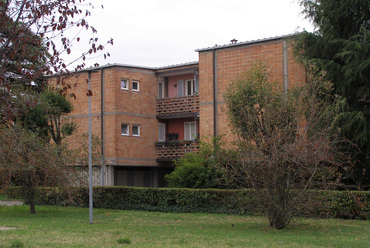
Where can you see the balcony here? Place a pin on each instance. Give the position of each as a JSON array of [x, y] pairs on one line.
[[175, 149], [177, 107]]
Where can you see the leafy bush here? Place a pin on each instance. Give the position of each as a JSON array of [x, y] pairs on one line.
[[200, 170], [327, 204]]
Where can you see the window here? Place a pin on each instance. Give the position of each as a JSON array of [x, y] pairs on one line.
[[161, 90], [180, 88], [196, 85], [189, 87], [135, 86], [161, 131], [135, 130], [190, 130], [124, 84], [125, 129]]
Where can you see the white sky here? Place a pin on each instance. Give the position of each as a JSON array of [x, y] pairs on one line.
[[166, 32]]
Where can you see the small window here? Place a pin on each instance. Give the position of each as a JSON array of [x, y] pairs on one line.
[[160, 90], [135, 86], [124, 84], [189, 87], [190, 131], [161, 131], [125, 129], [135, 130], [180, 88]]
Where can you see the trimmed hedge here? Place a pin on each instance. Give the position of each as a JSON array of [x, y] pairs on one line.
[[332, 204]]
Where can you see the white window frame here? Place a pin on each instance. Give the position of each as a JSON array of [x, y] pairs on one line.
[[138, 85], [127, 83], [161, 131], [192, 133], [191, 82], [128, 129], [138, 130]]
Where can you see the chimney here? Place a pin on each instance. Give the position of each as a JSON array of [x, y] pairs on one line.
[[233, 41]]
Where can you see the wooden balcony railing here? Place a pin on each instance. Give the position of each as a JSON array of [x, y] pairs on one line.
[[177, 105], [170, 150]]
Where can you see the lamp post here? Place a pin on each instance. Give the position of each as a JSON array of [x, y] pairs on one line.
[[90, 157]]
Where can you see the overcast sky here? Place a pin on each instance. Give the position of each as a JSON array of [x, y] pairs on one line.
[[166, 32]]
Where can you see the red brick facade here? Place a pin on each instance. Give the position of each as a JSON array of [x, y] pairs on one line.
[[219, 66], [185, 110]]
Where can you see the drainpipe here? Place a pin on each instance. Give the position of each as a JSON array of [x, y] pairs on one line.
[[285, 66], [102, 126], [215, 123]]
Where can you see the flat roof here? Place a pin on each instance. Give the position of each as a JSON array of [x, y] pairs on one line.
[[140, 67], [216, 47], [95, 68], [177, 65]]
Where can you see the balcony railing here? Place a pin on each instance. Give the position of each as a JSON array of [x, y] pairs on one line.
[[171, 106], [170, 150]]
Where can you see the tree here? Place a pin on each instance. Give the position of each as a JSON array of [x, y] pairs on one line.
[[340, 46], [31, 26], [29, 162], [45, 118], [23, 57], [57, 106], [33, 41], [286, 141]]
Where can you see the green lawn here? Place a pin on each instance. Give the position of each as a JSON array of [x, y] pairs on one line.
[[69, 227]]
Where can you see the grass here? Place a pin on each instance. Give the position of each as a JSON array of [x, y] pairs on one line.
[[5, 198], [69, 227]]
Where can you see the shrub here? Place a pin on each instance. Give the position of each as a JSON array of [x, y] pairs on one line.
[[201, 170], [327, 204]]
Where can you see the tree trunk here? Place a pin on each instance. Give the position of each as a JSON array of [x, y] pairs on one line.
[[32, 207], [32, 201]]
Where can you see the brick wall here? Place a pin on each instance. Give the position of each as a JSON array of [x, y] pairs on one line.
[[120, 106], [206, 94], [231, 62], [133, 108]]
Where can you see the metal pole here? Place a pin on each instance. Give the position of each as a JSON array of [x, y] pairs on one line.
[[90, 158], [102, 170]]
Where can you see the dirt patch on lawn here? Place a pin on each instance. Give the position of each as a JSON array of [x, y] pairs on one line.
[[4, 228]]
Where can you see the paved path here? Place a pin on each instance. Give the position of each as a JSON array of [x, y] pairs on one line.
[[11, 203]]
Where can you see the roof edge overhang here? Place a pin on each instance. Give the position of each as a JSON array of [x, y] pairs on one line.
[[246, 43], [189, 67], [180, 69], [116, 65], [189, 64]]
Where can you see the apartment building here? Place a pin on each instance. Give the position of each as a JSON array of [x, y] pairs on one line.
[[149, 117]]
